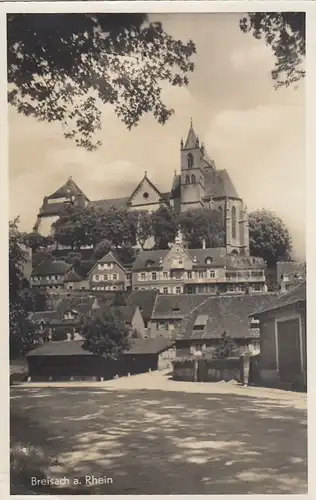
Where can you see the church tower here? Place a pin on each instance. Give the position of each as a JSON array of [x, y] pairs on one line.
[[192, 176]]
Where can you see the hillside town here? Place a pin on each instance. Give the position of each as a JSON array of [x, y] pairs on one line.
[[157, 275], [175, 301]]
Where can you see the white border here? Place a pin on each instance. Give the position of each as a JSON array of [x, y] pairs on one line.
[[166, 7]]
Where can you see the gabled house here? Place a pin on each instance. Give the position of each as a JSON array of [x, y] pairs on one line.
[[50, 274], [180, 270], [133, 319], [282, 324], [108, 274], [145, 300], [169, 312], [203, 326]]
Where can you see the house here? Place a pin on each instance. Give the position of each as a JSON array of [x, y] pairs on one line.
[[65, 320], [145, 300], [50, 275], [74, 281], [203, 326], [290, 274], [108, 274], [199, 183], [67, 359], [169, 311], [132, 317], [282, 326], [180, 270]]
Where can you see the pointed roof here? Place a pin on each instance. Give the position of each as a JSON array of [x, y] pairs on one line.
[[190, 143], [145, 179], [69, 188]]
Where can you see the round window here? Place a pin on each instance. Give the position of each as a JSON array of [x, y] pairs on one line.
[[145, 195]]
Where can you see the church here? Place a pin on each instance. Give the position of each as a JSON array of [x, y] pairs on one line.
[[198, 184]]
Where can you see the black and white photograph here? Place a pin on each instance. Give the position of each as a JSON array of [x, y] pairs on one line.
[[157, 257]]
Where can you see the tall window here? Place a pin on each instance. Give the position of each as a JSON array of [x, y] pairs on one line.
[[193, 179], [187, 179], [190, 160], [234, 229], [221, 214]]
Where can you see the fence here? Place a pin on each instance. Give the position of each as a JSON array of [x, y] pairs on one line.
[[211, 370]]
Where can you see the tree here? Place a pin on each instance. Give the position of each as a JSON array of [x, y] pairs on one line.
[[143, 228], [269, 238], [101, 249], [200, 225], [21, 329], [126, 254], [75, 226], [116, 226], [164, 224], [106, 334], [35, 241], [284, 32], [61, 67], [34, 299], [227, 347]]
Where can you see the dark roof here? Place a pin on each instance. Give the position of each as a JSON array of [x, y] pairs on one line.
[[176, 186], [149, 346], [241, 262], [190, 143], [74, 348], [218, 184], [147, 256], [145, 300], [126, 312], [52, 267], [177, 306], [46, 316], [60, 348], [294, 296], [81, 304], [111, 203], [70, 187], [228, 314], [72, 276], [217, 256]]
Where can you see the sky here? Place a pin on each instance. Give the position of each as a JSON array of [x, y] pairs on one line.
[[250, 129]]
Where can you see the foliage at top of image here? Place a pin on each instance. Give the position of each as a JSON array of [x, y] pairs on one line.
[[63, 67], [284, 32]]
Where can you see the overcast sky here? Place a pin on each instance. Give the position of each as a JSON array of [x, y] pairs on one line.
[[255, 132]]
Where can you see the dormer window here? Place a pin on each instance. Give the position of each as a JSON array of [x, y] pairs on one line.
[[190, 160], [208, 260], [176, 309]]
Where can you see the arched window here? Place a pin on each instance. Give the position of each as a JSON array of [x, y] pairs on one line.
[[187, 179], [193, 179], [190, 160], [234, 228]]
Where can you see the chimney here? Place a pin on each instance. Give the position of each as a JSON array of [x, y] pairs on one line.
[[203, 244]]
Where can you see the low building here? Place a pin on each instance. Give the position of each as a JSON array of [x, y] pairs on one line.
[[50, 275], [290, 274], [169, 311], [132, 317], [108, 274], [202, 328], [180, 270], [282, 325], [67, 359]]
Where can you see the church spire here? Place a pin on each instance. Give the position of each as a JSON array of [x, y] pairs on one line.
[[192, 138]]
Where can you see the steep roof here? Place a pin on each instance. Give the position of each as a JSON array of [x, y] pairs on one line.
[[111, 203], [149, 256], [190, 143], [52, 267], [83, 304], [218, 184], [228, 314], [294, 296], [74, 348], [146, 179], [69, 188], [176, 307], [45, 316], [51, 209], [126, 312], [145, 300]]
